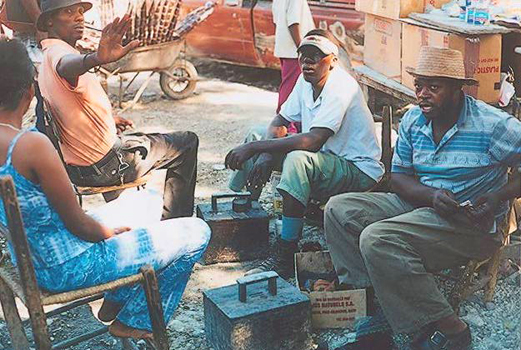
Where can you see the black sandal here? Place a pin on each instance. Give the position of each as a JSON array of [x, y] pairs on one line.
[[439, 341]]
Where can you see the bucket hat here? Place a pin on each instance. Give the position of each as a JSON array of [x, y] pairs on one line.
[[48, 6], [437, 62]]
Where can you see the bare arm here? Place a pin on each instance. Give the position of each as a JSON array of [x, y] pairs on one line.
[[277, 142], [409, 188], [311, 141], [110, 49], [48, 171], [294, 30], [278, 128], [71, 67]]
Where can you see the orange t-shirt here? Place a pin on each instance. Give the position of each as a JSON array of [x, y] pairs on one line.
[[83, 114]]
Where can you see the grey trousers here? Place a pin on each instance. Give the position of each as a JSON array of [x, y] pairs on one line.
[[381, 240]]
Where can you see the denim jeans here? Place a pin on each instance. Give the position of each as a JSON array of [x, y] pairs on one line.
[[176, 152]]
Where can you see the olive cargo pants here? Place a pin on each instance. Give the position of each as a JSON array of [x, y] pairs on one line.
[[381, 240], [306, 175]]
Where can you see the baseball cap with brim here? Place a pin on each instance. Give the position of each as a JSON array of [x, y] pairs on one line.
[[326, 46], [49, 6], [437, 62]]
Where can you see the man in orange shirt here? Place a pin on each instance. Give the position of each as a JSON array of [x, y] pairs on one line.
[[94, 153]]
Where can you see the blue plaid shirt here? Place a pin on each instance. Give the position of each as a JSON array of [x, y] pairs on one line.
[[471, 159]]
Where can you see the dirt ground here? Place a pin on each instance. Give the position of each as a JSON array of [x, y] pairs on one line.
[[220, 112], [228, 101]]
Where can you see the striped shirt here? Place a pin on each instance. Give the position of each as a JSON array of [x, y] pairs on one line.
[[471, 159]]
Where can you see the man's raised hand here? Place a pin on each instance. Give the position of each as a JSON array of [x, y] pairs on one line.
[[110, 48]]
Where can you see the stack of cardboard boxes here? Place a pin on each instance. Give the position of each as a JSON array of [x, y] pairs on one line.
[[392, 43]]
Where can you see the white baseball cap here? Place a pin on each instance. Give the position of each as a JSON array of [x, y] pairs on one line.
[[322, 43]]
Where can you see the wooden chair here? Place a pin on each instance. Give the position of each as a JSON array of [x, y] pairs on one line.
[[51, 130], [468, 284], [21, 282]]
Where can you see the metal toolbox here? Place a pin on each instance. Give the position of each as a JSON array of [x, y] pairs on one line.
[[249, 316], [240, 228]]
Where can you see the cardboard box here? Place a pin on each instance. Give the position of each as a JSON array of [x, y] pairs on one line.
[[482, 57], [382, 49], [338, 309], [393, 9]]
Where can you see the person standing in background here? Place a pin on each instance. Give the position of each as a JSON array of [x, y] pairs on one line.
[[292, 20], [21, 16]]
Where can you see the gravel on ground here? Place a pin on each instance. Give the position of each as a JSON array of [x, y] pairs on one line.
[[228, 101]]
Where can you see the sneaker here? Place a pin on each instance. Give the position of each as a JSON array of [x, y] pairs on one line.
[[438, 341], [281, 261]]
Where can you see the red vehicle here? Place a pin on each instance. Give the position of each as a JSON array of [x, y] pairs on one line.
[[242, 31]]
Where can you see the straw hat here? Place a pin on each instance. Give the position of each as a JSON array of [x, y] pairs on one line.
[[49, 6], [437, 62]]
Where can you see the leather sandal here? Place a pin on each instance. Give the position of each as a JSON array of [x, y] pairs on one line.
[[439, 341]]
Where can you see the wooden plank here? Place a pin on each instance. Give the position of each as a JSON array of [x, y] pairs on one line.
[[511, 251], [25, 264], [12, 317], [155, 307], [387, 150], [455, 25], [378, 81], [96, 190], [65, 297]]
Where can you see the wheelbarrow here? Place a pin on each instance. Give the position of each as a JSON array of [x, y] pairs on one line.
[[178, 76]]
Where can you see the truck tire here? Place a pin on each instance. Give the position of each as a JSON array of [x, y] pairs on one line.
[[184, 85]]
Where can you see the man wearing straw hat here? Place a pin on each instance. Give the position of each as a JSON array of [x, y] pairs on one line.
[[451, 149], [94, 153]]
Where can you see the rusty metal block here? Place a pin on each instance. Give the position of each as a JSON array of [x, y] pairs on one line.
[[239, 233]]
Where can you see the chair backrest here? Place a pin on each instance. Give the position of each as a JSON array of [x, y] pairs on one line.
[[16, 235], [18, 239], [387, 149]]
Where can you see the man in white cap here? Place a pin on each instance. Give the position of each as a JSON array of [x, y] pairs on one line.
[[451, 149], [336, 152]]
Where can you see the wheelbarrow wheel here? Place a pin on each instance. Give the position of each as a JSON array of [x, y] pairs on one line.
[[179, 81]]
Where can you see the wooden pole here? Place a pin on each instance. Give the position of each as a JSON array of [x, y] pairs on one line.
[[25, 264], [155, 308], [12, 317]]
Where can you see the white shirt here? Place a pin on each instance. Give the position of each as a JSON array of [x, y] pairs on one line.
[[286, 13], [341, 107]]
